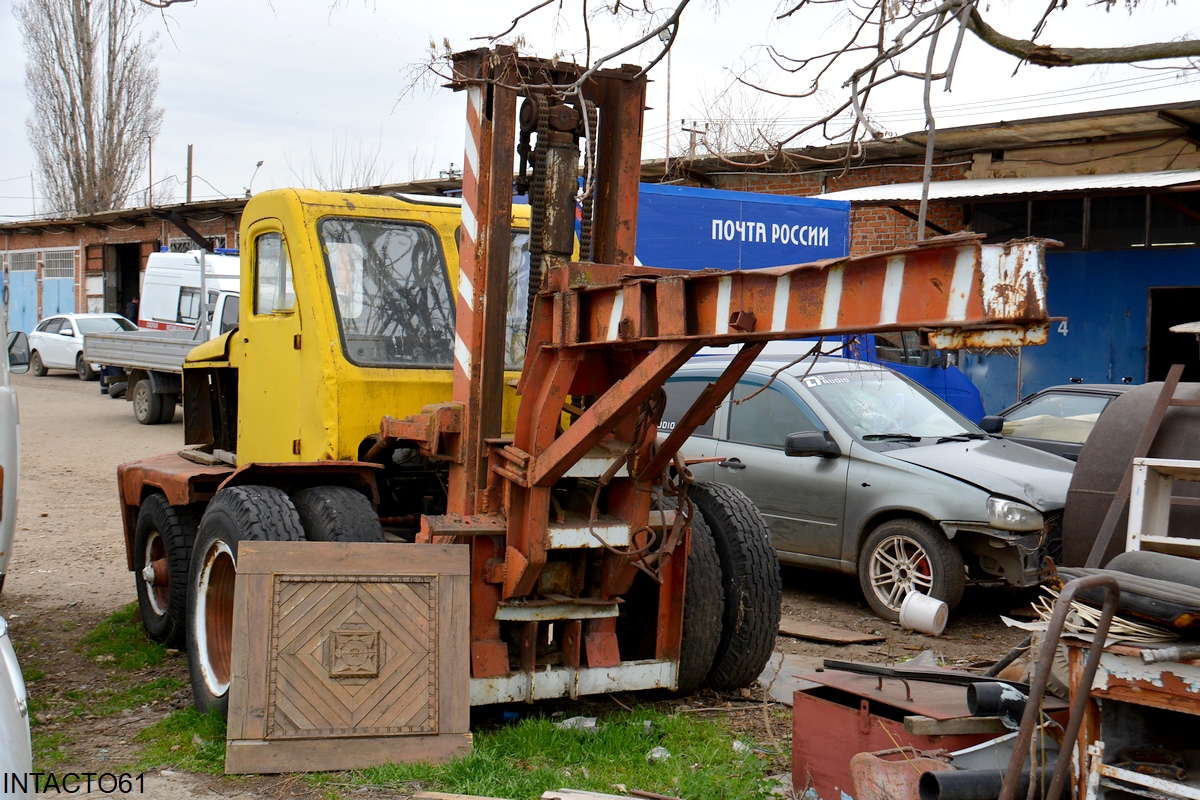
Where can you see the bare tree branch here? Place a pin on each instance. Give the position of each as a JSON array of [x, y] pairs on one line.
[[1046, 56]]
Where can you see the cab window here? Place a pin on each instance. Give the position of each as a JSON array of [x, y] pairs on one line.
[[272, 275], [391, 292], [189, 306], [681, 394], [229, 314], [765, 417]]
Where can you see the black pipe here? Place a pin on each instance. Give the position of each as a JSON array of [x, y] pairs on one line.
[[971, 784], [996, 700]]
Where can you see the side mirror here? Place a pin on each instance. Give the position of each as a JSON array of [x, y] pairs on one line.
[[18, 352], [992, 424], [811, 443]]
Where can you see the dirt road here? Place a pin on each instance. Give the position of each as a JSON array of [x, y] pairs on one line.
[[68, 571]]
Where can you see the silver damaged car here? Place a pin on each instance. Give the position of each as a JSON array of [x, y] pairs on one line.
[[859, 470]]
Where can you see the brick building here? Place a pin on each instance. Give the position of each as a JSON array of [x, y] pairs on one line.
[[93, 262]]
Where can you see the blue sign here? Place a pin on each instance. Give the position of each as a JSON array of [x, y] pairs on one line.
[[688, 228]]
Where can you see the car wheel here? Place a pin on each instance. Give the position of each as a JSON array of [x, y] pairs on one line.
[[162, 552], [83, 369], [337, 514], [703, 608], [147, 406], [35, 364], [905, 555], [750, 578], [236, 514]]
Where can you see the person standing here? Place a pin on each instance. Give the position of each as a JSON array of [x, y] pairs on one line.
[[131, 310]]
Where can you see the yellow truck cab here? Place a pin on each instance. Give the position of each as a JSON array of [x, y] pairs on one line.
[[347, 315]]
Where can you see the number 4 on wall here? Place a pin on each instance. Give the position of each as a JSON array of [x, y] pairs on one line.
[[1062, 327]]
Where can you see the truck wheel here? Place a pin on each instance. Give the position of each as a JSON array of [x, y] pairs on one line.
[[703, 608], [904, 555], [337, 514], [36, 366], [147, 406], [162, 551], [750, 577], [239, 513], [83, 369], [168, 409]]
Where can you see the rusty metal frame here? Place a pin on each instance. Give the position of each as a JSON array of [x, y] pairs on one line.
[[1031, 719], [614, 333]]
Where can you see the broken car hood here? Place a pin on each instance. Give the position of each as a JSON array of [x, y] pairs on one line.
[[997, 466]]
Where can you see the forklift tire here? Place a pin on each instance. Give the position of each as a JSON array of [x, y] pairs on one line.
[[238, 513], [750, 576], [147, 406], [702, 610], [162, 544], [337, 514]]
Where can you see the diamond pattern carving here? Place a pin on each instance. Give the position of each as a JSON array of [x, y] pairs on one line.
[[352, 656]]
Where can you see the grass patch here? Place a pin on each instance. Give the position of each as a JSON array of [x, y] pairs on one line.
[[533, 756], [46, 752], [120, 640], [172, 742]]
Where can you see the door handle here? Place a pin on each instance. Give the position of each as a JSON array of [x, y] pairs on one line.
[[731, 463]]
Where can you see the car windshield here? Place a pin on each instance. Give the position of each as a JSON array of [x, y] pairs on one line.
[[875, 405], [104, 324], [1058, 417]]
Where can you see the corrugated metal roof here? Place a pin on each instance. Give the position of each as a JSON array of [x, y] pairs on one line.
[[1000, 187]]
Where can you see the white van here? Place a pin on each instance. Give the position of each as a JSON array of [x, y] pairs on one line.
[[171, 291]]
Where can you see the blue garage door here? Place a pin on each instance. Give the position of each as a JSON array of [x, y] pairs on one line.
[[58, 282], [22, 292]]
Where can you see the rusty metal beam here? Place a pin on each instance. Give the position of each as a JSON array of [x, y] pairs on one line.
[[952, 283]]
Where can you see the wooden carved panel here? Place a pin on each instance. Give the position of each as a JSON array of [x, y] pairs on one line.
[[348, 655]]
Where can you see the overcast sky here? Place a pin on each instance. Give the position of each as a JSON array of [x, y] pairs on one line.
[[287, 83]]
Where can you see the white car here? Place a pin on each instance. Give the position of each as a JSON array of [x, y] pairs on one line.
[[57, 342]]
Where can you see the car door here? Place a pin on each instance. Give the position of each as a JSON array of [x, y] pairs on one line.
[[802, 498], [59, 334], [682, 391]]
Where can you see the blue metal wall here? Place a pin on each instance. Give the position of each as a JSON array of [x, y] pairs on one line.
[[1104, 296]]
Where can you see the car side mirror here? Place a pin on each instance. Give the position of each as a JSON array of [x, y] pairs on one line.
[[811, 443], [18, 352], [992, 424]]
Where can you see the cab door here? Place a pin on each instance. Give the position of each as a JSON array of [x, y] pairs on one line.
[[802, 498], [270, 339]]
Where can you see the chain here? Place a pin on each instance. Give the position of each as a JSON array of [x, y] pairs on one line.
[[589, 189], [537, 203]]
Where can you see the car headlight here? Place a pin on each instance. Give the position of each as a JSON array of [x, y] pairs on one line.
[[1013, 516]]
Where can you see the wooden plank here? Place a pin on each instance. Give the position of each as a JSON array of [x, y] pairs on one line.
[[803, 629], [928, 726], [327, 755], [454, 684], [356, 558]]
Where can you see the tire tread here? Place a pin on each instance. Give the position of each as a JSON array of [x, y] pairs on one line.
[[752, 582], [337, 514]]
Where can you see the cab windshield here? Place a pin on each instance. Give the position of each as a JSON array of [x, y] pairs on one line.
[[876, 405], [391, 292]]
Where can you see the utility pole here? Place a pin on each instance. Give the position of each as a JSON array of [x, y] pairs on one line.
[[189, 177], [695, 129]]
